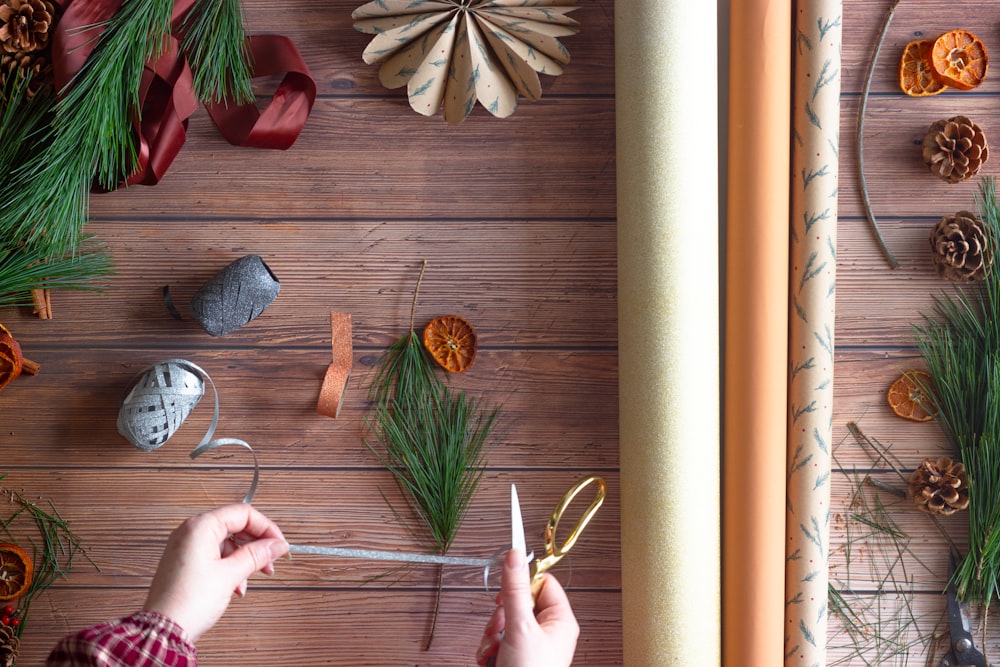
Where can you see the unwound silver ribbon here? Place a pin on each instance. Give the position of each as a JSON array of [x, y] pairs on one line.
[[134, 420], [373, 554]]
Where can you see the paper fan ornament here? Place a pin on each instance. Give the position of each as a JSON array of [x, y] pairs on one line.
[[449, 53]]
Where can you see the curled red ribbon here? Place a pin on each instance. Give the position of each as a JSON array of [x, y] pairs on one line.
[[166, 94]]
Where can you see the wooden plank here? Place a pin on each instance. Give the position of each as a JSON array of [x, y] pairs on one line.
[[521, 283], [410, 167], [350, 628], [557, 409]]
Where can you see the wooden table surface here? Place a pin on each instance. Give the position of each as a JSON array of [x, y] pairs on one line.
[[899, 596], [516, 219]]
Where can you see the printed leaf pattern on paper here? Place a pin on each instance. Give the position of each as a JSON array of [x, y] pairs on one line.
[[812, 293]]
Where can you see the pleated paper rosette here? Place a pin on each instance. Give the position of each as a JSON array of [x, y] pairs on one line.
[[450, 53]]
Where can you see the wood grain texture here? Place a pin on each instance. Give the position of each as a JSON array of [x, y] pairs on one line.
[[516, 219]]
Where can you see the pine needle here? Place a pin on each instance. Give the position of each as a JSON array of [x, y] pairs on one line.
[[27, 268], [55, 547], [214, 42]]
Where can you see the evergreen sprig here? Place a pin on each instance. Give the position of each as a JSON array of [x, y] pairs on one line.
[[26, 268], [214, 42], [431, 439], [37, 264], [435, 447], [91, 134], [961, 346]]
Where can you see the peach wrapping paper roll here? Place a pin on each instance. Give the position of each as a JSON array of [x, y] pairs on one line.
[[816, 125], [756, 332], [667, 144]]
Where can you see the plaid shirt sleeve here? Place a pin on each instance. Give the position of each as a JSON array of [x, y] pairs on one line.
[[145, 639]]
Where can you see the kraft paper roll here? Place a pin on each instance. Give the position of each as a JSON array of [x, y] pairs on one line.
[[756, 333], [331, 394], [668, 219], [816, 124]]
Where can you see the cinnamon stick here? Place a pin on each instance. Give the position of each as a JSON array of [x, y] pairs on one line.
[[29, 367], [42, 303]]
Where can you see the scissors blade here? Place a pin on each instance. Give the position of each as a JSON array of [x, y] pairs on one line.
[[517, 540]]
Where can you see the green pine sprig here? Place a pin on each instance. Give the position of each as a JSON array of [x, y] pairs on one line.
[[432, 440], [960, 344], [435, 447], [214, 42], [91, 134], [38, 264]]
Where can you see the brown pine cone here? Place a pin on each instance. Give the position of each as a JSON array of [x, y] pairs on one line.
[[13, 65], [8, 646], [24, 25], [960, 247], [955, 149], [940, 486]]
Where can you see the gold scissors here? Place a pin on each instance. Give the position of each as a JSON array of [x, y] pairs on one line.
[[554, 551]]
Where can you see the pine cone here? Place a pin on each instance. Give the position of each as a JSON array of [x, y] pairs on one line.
[[8, 646], [955, 149], [14, 65], [960, 247], [940, 486], [24, 25]]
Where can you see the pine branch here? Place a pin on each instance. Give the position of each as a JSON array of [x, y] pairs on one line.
[[961, 347], [47, 196], [214, 42], [27, 268]]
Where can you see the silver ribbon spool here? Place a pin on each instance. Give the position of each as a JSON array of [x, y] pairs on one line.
[[159, 402]]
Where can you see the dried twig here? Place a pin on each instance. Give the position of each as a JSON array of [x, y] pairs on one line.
[[862, 108]]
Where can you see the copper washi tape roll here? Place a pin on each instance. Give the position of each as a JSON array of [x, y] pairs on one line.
[[161, 399], [331, 395]]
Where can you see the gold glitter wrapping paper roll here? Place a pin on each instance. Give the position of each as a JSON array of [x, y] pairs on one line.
[[756, 333], [816, 125], [668, 224]]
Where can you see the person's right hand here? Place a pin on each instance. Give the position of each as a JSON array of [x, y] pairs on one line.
[[520, 636]]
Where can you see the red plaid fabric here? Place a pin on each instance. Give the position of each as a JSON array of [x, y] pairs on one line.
[[145, 639]]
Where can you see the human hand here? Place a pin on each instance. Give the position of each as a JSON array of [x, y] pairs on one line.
[[202, 567], [520, 636]]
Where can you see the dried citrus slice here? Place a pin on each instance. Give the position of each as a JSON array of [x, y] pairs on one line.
[[906, 397], [959, 59], [916, 76], [451, 341], [16, 571]]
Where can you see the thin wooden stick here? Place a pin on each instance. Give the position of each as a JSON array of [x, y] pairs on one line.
[[862, 108]]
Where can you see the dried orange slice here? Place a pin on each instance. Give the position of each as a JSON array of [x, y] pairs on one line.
[[906, 397], [916, 76], [959, 59], [451, 341], [16, 571]]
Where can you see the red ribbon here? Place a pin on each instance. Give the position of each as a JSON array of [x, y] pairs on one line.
[[166, 93]]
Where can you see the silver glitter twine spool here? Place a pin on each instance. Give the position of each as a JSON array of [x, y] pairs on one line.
[[235, 296], [159, 402]]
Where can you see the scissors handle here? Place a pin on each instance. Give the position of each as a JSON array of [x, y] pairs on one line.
[[554, 551]]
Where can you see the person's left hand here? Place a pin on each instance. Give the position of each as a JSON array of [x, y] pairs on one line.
[[207, 559]]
